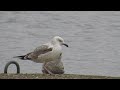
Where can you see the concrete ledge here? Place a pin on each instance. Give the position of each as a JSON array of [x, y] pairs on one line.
[[56, 76]]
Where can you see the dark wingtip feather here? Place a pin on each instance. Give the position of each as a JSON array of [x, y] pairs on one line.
[[20, 57]]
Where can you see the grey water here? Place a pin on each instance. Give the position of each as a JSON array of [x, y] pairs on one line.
[[93, 38]]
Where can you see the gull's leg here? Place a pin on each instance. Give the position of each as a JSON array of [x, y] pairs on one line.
[[47, 71]]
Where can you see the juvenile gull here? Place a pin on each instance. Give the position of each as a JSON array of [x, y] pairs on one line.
[[53, 67], [47, 52]]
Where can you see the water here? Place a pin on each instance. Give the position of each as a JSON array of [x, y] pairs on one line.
[[93, 38]]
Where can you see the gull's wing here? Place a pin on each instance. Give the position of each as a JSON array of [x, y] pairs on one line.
[[34, 55], [42, 49]]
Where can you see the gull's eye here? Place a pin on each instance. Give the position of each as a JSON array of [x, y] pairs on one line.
[[59, 40]]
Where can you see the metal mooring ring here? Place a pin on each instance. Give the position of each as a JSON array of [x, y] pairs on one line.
[[12, 62]]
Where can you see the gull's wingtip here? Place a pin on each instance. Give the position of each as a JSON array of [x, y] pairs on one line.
[[20, 57]]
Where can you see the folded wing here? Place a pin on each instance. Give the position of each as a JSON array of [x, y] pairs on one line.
[[37, 52]]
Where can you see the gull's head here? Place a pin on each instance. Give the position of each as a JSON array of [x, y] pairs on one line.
[[58, 40]]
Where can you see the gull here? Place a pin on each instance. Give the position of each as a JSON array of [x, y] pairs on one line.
[[53, 67], [50, 51]]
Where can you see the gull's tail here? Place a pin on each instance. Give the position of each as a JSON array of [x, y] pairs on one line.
[[23, 57]]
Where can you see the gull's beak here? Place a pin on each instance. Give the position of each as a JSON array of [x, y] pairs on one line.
[[65, 44]]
